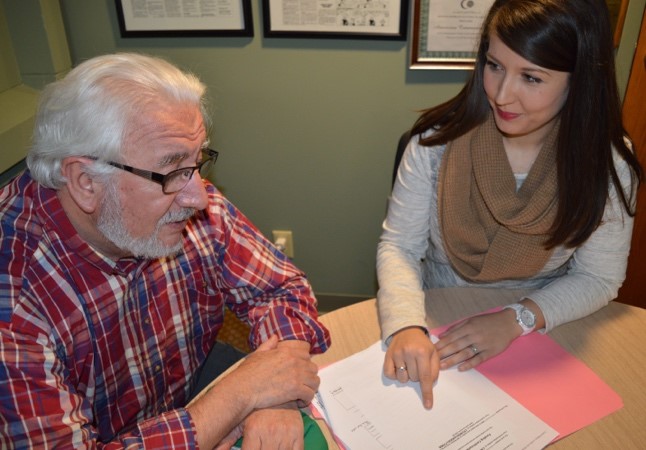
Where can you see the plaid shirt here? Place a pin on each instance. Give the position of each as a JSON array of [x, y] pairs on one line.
[[97, 353]]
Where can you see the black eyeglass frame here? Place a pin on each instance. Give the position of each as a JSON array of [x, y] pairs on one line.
[[160, 178]]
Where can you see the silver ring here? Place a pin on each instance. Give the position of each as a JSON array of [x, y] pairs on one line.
[[402, 368], [474, 349]]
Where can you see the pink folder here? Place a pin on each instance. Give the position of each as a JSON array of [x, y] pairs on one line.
[[554, 385], [547, 380]]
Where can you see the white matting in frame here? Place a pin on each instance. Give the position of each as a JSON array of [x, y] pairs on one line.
[[353, 19], [177, 18]]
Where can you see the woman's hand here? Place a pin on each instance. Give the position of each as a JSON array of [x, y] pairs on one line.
[[477, 339], [412, 356]]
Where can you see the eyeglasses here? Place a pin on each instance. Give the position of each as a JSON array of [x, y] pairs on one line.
[[175, 180]]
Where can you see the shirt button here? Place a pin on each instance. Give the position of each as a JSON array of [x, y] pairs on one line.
[[157, 367], [147, 321]]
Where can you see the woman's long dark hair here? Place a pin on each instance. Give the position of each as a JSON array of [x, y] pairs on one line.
[[572, 36]]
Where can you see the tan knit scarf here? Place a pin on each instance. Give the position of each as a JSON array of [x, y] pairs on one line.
[[491, 231]]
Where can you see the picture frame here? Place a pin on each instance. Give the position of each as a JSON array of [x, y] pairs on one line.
[[338, 19], [182, 18], [445, 32]]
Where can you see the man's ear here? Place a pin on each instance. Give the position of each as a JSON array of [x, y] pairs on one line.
[[82, 188]]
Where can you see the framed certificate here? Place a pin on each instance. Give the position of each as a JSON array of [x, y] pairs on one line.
[[178, 18], [345, 19], [446, 32]]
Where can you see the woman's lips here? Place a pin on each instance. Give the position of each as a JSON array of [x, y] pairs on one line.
[[504, 115]]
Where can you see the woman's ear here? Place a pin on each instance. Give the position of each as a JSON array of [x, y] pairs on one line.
[[82, 188]]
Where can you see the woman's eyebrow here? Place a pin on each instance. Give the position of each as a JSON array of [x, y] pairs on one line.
[[489, 56], [526, 69], [536, 71]]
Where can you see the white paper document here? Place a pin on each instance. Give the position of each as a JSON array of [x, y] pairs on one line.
[[367, 411]]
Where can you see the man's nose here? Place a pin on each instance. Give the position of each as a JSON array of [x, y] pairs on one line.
[[194, 193]]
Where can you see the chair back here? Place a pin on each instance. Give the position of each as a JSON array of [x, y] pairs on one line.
[[401, 146]]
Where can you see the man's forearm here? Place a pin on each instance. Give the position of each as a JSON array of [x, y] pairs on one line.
[[219, 410]]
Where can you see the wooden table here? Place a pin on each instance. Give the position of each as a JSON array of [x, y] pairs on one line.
[[612, 342]]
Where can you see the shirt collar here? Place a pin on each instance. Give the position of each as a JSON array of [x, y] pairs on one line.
[[55, 221]]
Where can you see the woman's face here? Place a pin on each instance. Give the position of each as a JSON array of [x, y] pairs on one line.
[[524, 97]]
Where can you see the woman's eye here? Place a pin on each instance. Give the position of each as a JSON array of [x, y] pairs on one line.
[[494, 67], [531, 79]]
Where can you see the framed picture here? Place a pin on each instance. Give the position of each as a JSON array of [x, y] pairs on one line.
[[345, 19], [180, 18], [446, 32]]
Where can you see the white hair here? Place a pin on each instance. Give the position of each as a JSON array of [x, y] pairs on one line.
[[87, 113]]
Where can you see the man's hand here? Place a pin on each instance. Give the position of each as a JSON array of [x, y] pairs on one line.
[[412, 356], [275, 374], [279, 372], [278, 428]]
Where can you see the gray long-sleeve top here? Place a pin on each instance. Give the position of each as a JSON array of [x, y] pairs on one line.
[[574, 283]]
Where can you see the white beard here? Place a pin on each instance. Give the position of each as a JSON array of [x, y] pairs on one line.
[[111, 225]]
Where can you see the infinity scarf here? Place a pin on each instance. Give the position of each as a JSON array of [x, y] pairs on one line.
[[492, 232]]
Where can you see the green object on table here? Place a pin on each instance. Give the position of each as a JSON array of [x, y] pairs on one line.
[[313, 436]]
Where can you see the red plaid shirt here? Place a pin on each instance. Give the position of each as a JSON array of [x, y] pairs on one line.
[[97, 353]]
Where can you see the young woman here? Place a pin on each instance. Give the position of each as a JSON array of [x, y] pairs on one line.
[[526, 179]]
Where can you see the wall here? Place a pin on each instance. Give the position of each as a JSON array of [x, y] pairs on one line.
[[33, 52], [15, 126], [307, 129]]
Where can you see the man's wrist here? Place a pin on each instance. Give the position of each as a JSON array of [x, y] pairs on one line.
[[296, 344]]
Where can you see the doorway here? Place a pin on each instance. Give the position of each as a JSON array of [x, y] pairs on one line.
[[633, 292]]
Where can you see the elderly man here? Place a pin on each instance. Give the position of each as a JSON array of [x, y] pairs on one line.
[[117, 261]]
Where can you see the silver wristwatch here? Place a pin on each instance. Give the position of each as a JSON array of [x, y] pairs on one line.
[[524, 316]]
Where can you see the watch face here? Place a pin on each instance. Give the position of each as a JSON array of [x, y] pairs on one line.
[[527, 318]]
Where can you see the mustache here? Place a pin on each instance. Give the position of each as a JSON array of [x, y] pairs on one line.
[[178, 216]]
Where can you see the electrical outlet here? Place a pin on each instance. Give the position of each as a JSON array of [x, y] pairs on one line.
[[286, 241]]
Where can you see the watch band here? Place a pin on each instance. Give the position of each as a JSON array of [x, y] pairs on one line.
[[524, 316]]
